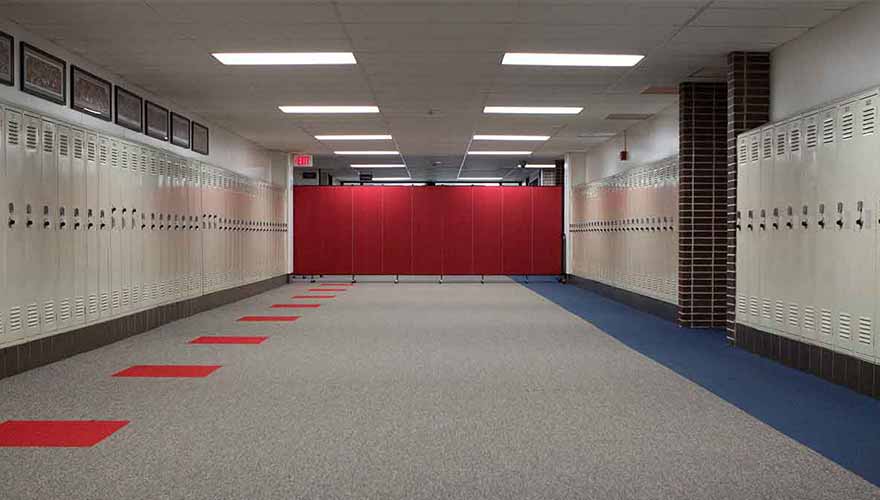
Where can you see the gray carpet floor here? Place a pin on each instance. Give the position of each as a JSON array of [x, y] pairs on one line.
[[416, 390]]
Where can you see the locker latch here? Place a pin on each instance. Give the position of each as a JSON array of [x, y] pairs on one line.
[[776, 218], [750, 225], [805, 211], [839, 215], [103, 216], [860, 221], [763, 224], [11, 221], [790, 223], [46, 221], [90, 214], [62, 222], [821, 215], [143, 221], [738, 220], [152, 221]]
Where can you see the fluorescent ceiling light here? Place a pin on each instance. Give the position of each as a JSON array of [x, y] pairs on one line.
[[540, 165], [386, 179], [479, 137], [353, 137], [366, 152], [544, 59], [480, 179], [283, 58], [329, 109], [378, 165], [533, 110], [509, 153]]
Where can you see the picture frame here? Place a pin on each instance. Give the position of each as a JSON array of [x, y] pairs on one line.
[[43, 75], [180, 130], [200, 137], [90, 94], [156, 121], [129, 110], [7, 59]]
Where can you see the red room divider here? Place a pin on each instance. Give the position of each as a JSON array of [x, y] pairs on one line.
[[427, 230]]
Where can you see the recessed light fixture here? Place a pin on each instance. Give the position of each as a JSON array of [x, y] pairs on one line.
[[378, 165], [533, 110], [508, 153], [480, 179], [353, 137], [628, 116], [386, 179], [366, 152], [547, 59], [479, 137], [329, 109], [283, 58], [540, 165]]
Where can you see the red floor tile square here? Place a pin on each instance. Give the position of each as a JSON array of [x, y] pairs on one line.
[[295, 306], [168, 371], [313, 297], [228, 340], [267, 319], [57, 433]]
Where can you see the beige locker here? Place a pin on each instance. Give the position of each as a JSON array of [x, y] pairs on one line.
[[83, 152], [91, 223], [65, 281]]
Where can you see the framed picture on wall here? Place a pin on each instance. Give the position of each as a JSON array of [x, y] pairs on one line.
[[91, 95], [200, 138], [156, 121], [43, 74], [129, 110], [180, 130], [7, 57]]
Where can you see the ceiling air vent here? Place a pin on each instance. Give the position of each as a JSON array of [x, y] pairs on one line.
[[629, 116]]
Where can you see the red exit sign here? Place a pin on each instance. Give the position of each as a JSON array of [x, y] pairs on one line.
[[300, 160]]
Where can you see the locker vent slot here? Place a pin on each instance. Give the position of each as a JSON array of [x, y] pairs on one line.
[[2, 329], [812, 139], [828, 131], [63, 145], [126, 297], [64, 310], [79, 308], [103, 154], [48, 313], [766, 146], [135, 295], [825, 322], [753, 307], [844, 325], [105, 302], [12, 132], [93, 304], [14, 319], [33, 317], [125, 158], [114, 300], [868, 118], [795, 140], [766, 309], [865, 330], [780, 312], [114, 158], [91, 150], [31, 138], [793, 314], [77, 148], [48, 141], [846, 127], [755, 151], [780, 144]]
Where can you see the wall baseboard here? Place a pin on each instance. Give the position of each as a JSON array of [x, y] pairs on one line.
[[29, 355], [643, 303], [842, 369]]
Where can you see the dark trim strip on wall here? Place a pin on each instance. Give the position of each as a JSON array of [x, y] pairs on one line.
[[643, 303], [22, 357], [842, 369]]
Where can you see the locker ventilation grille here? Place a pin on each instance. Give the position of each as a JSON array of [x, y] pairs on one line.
[[844, 325], [91, 151], [77, 148], [809, 319], [846, 127], [64, 310], [825, 322], [125, 158], [811, 135], [33, 317], [780, 144], [114, 158], [93, 304], [14, 319], [868, 118], [63, 145], [795, 140], [2, 325], [105, 302], [767, 147], [828, 131], [12, 131], [780, 312], [31, 138], [793, 314], [48, 141], [753, 307], [755, 151], [865, 330], [79, 308], [766, 308], [48, 313], [103, 157]]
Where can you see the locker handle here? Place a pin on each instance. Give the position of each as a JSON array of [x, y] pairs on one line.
[[91, 225], [789, 225], [738, 227], [839, 223], [62, 224], [103, 225], [11, 222], [775, 225], [29, 223], [751, 227], [804, 224], [822, 224], [763, 226], [860, 223], [76, 225]]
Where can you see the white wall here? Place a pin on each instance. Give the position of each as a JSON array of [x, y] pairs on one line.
[[648, 141], [833, 60], [227, 149]]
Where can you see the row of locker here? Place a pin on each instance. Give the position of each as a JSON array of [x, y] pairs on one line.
[[808, 199], [624, 230], [98, 227]]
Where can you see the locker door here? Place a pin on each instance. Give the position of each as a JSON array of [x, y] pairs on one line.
[[116, 199], [152, 257], [65, 281], [138, 227], [765, 240], [813, 223], [125, 206], [91, 223], [4, 200], [828, 267], [17, 264], [76, 221], [801, 200], [778, 233], [752, 182], [47, 230], [33, 224], [105, 187]]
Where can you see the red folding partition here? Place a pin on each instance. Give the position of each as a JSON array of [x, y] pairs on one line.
[[427, 230]]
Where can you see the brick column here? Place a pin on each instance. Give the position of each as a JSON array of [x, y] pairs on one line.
[[702, 205], [748, 106]]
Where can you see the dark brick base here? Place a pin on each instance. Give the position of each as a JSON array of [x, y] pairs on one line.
[[842, 369], [22, 357], [649, 305]]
